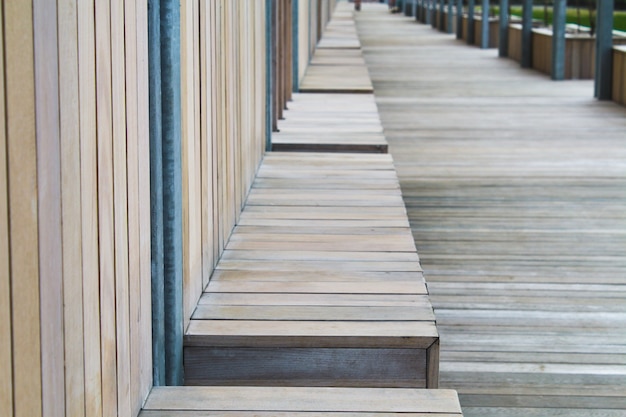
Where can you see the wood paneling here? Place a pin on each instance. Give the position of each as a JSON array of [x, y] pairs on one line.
[[75, 242]]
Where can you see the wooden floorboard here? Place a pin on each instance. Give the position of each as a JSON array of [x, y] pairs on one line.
[[515, 187]]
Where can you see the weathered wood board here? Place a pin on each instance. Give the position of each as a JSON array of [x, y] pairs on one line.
[[297, 401]]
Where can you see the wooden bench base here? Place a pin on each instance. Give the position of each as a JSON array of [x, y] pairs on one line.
[[299, 402]]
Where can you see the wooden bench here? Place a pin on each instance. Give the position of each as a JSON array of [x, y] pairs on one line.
[[331, 123], [320, 283], [299, 402]]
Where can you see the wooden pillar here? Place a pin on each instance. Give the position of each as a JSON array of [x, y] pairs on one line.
[[470, 22], [484, 25], [604, 50], [459, 19], [503, 26], [527, 33], [558, 39]]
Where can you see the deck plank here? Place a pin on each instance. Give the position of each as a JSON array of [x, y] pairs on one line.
[[515, 191]]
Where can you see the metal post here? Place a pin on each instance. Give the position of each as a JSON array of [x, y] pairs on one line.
[[156, 193], [269, 74], [484, 25], [470, 22], [295, 52], [527, 33], [503, 25], [459, 19], [558, 39], [450, 17], [441, 25], [427, 10], [604, 50]]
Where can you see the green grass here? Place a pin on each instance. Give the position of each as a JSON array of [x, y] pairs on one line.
[[619, 16]]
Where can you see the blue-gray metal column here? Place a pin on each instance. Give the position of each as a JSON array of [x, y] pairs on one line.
[[503, 27], [156, 194], [470, 22], [166, 191], [604, 50], [295, 40], [427, 10], [527, 33], [415, 9], [172, 191], [484, 25], [269, 74], [442, 7], [558, 39], [449, 25], [459, 19]]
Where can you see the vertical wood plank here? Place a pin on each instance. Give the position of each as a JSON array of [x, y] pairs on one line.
[[106, 208], [120, 194], [6, 338], [89, 208], [49, 201], [143, 144], [206, 127], [71, 188], [132, 166], [22, 168]]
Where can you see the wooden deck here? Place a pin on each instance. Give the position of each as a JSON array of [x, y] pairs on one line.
[[516, 192], [321, 270]]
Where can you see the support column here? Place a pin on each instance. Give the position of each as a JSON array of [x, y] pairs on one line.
[[484, 25], [604, 50], [442, 7], [449, 25], [459, 19], [503, 26], [470, 22], [527, 33], [427, 10], [295, 45], [166, 191], [558, 39]]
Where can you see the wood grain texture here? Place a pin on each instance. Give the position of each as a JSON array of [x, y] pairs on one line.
[[23, 220], [69, 113], [6, 363], [106, 207], [304, 399], [89, 208], [517, 209]]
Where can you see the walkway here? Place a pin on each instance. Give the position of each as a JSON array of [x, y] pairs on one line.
[[516, 191]]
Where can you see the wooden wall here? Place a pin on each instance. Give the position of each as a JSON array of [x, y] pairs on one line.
[[619, 74], [223, 138], [74, 209], [75, 267]]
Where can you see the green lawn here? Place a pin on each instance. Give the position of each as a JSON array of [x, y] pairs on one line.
[[619, 17]]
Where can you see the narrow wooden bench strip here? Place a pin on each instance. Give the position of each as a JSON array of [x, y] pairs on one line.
[[309, 399]]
